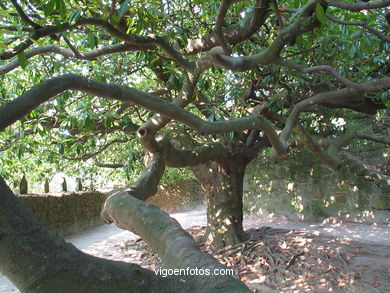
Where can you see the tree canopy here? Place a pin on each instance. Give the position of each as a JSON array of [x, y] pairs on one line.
[[102, 84], [225, 60]]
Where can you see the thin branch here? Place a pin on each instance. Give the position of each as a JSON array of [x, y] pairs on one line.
[[219, 35], [71, 47], [108, 165], [234, 35], [302, 52], [337, 96], [112, 10], [329, 159], [378, 85], [23, 16], [94, 154], [16, 29], [346, 139], [278, 14], [362, 24], [68, 53], [359, 5], [144, 43]]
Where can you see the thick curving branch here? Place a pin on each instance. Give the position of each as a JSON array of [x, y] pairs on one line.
[[148, 130], [70, 54], [175, 246], [58, 265], [331, 97], [359, 5], [146, 186], [17, 108], [175, 157], [26, 244], [375, 85], [302, 23]]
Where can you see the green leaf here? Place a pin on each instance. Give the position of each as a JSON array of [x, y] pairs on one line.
[[22, 60], [49, 7], [74, 16], [20, 151], [4, 14], [108, 122], [352, 51], [61, 149], [212, 118], [175, 82], [73, 122], [320, 13], [123, 9], [356, 34], [60, 6], [92, 40], [88, 123]]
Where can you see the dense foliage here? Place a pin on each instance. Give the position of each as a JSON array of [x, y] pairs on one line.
[[151, 45]]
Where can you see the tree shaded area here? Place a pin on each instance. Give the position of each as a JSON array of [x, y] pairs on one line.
[[207, 86]]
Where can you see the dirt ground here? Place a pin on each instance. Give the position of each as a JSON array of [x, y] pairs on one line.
[[282, 255], [281, 260]]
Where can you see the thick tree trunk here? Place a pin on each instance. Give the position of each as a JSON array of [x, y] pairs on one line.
[[223, 188], [38, 260], [175, 246]]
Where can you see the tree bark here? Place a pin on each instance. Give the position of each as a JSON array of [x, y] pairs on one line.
[[164, 234], [36, 259], [223, 188], [175, 246]]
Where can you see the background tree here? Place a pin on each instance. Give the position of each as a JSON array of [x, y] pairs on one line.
[[206, 85]]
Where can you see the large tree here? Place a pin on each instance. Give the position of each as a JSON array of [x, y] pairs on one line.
[[206, 85]]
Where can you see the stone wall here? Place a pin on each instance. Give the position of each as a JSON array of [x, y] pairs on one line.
[[301, 185], [178, 196], [72, 212], [66, 213]]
